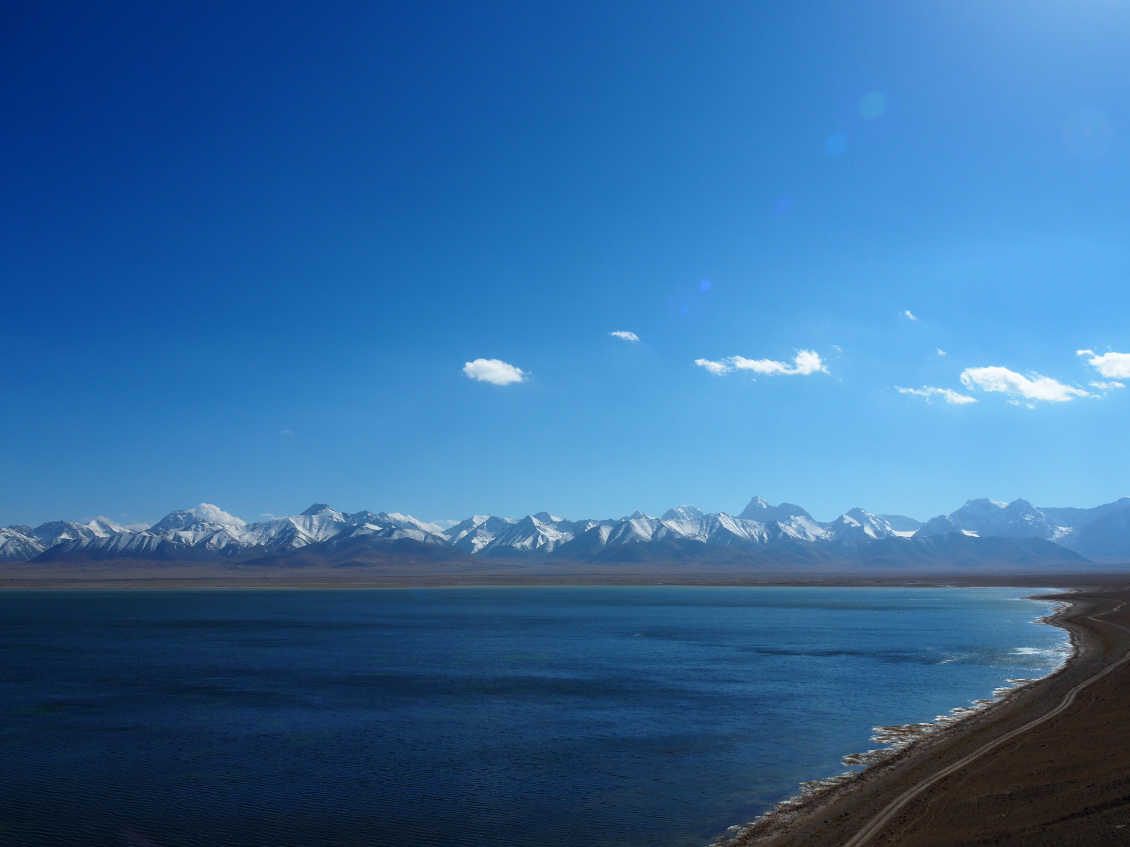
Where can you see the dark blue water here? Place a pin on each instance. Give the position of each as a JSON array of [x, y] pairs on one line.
[[495, 716]]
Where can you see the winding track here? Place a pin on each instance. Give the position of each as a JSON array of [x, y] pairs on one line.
[[873, 826]]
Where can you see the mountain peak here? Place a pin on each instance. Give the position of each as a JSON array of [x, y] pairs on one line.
[[546, 517], [317, 509], [684, 513], [984, 504], [760, 510]]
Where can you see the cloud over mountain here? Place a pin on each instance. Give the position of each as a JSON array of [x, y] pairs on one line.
[[214, 514]]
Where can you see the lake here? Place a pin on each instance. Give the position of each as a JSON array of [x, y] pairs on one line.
[[628, 716]]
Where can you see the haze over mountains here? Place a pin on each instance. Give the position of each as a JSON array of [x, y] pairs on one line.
[[982, 533]]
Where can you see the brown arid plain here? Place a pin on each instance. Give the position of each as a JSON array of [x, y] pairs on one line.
[[1049, 764]]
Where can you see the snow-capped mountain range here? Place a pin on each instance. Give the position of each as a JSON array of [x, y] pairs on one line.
[[207, 534]]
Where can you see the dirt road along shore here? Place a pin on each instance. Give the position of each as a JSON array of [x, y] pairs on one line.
[[1050, 766]]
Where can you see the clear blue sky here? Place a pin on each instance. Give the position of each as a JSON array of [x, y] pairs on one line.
[[247, 251]]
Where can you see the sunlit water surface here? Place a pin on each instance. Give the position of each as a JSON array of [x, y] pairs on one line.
[[653, 716]]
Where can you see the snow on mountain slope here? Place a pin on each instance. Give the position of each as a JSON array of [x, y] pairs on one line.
[[207, 533], [1068, 527], [19, 544], [759, 510], [478, 532], [683, 513], [858, 524]]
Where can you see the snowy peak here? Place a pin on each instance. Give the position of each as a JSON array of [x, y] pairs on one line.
[[974, 512], [180, 519], [859, 524], [546, 517], [938, 526], [207, 533], [19, 544], [759, 510], [683, 513], [1089, 532]]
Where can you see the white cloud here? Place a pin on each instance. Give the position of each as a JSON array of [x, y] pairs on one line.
[[805, 362], [494, 371], [1110, 365], [624, 334], [929, 392], [716, 368], [1107, 386], [215, 514], [942, 352], [1031, 388], [909, 314], [287, 432]]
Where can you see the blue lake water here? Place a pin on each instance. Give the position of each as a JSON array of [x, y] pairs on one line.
[[628, 716]]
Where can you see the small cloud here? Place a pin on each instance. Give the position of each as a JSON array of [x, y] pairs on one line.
[[287, 432], [208, 512], [1110, 365], [267, 515], [625, 335], [494, 371], [805, 362], [1107, 386], [909, 315], [716, 368], [1019, 387], [929, 393], [942, 352], [837, 348]]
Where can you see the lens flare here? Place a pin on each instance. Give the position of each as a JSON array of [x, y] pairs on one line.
[[835, 144], [873, 104], [704, 285]]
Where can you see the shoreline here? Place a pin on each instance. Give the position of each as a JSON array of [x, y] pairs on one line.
[[1043, 784], [901, 742], [1022, 771]]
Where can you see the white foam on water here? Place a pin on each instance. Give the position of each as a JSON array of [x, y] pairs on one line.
[[895, 739]]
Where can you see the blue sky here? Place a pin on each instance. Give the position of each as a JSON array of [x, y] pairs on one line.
[[247, 254]]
